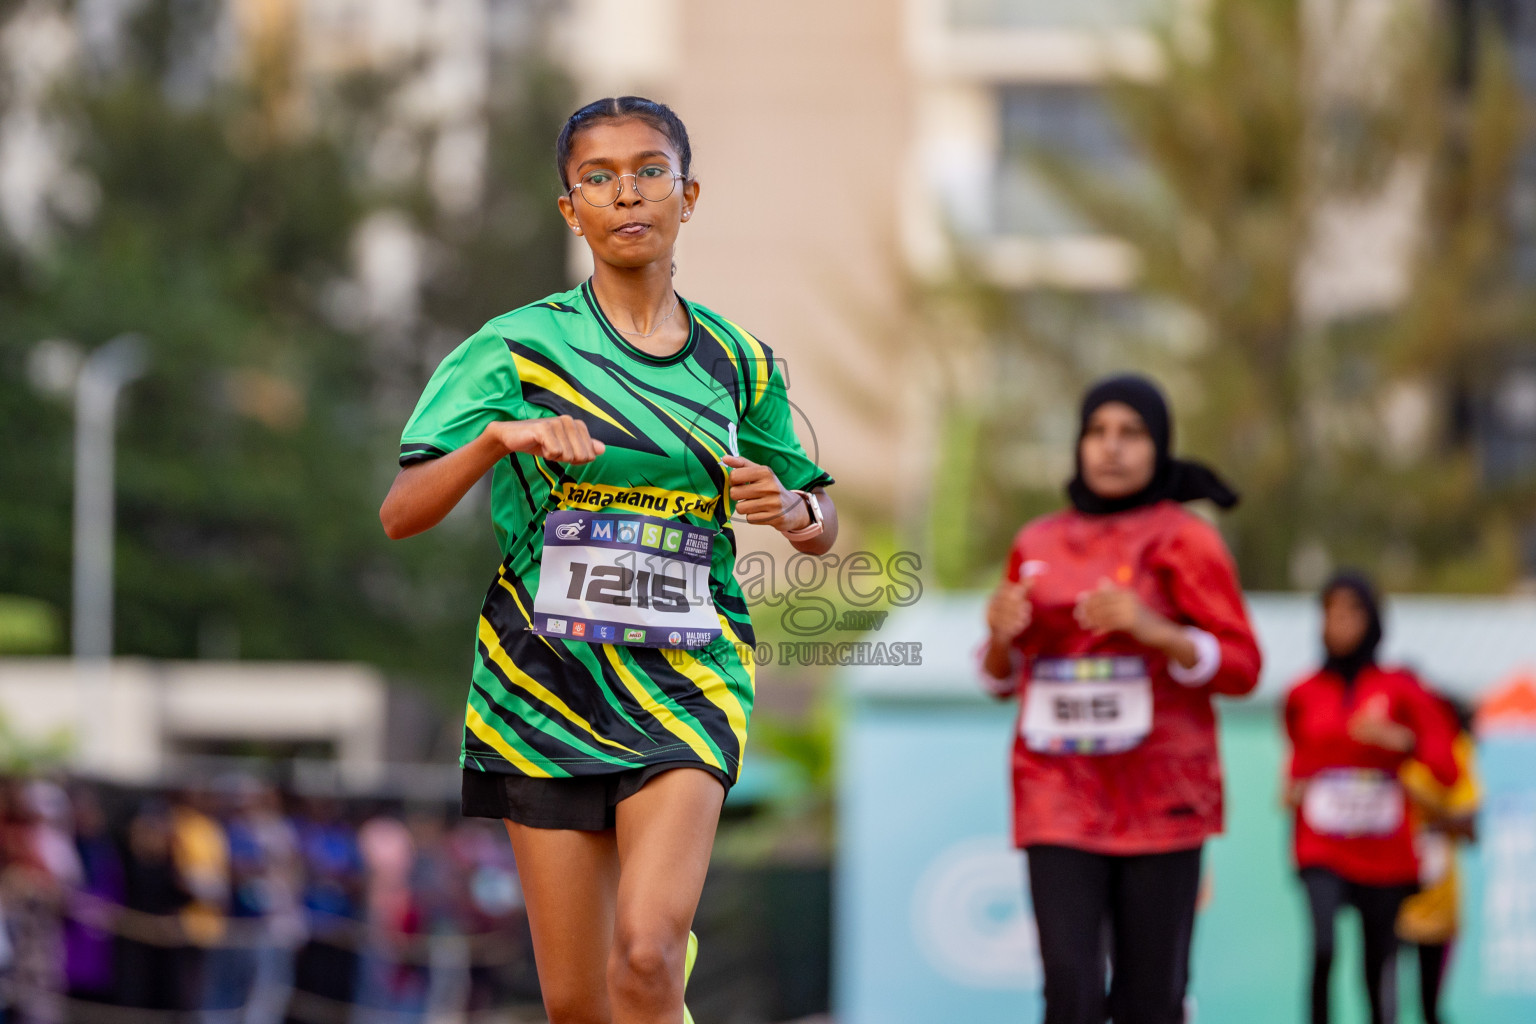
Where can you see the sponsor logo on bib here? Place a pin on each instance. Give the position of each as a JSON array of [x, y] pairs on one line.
[[556, 625], [606, 632], [674, 637], [579, 629], [570, 531], [634, 636]]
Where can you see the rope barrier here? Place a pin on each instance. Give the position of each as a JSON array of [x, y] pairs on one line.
[[484, 949], [300, 1006]]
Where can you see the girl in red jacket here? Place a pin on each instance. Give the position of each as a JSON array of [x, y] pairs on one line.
[[1115, 623], [1352, 726]]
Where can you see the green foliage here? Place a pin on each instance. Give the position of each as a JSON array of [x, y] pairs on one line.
[[512, 248], [28, 626], [253, 456]]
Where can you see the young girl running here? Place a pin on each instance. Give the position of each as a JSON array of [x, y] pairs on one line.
[[1353, 726], [613, 677], [1117, 622]]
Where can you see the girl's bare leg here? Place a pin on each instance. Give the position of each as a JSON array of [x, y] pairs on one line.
[[570, 882], [665, 834]]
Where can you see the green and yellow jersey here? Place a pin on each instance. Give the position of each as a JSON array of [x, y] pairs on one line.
[[545, 706]]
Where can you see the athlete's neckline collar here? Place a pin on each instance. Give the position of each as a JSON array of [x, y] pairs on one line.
[[623, 343]]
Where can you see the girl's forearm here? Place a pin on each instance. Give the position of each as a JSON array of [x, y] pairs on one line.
[[1169, 638], [424, 493], [998, 661]]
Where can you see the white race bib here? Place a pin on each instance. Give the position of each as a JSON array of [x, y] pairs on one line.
[[1086, 705], [1437, 853], [623, 578], [1352, 802]]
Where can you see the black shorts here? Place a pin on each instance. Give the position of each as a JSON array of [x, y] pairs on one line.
[[585, 803]]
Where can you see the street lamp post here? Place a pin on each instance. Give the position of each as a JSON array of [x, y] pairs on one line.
[[97, 388], [105, 373]]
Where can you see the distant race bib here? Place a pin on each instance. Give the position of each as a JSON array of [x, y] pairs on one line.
[[621, 578], [1087, 705], [1437, 853], [1353, 802]]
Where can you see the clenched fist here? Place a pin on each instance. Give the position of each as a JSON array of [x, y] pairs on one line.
[[1373, 726], [757, 494], [1111, 609], [1009, 613], [554, 439]]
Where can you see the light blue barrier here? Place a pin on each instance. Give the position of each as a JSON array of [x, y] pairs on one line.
[[932, 923]]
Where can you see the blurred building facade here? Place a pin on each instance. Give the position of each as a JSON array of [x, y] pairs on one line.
[[996, 82]]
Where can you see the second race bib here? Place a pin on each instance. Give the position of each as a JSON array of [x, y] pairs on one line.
[[1437, 855], [622, 578], [1087, 705], [1353, 802]]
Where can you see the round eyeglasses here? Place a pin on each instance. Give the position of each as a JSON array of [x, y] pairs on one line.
[[653, 183]]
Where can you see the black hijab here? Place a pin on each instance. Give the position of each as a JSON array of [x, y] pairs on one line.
[[1173, 479], [1348, 666]]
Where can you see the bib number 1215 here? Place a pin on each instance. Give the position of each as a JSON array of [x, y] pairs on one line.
[[625, 587]]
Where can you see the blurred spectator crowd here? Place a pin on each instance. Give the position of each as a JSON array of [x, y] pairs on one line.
[[236, 902]]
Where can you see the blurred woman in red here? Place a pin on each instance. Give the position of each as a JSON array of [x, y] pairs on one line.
[[1116, 622], [1353, 725]]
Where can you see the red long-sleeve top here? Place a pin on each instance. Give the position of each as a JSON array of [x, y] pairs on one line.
[[1165, 793], [1317, 714]]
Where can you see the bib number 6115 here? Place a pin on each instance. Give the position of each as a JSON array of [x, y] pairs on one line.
[[620, 585]]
